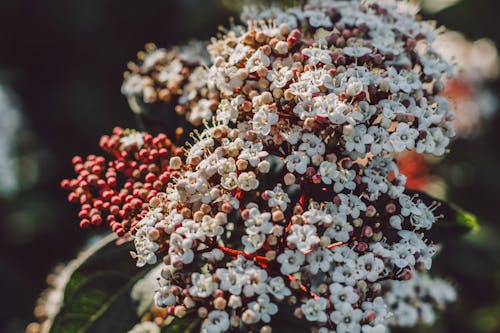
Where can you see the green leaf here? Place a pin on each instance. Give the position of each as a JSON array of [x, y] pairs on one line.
[[97, 296], [453, 221], [189, 324]]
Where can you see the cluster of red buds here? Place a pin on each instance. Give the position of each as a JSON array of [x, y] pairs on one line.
[[115, 191]]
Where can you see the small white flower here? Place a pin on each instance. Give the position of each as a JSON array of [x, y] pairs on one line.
[[347, 319], [264, 308], [356, 51], [257, 60], [231, 280], [248, 181], [216, 322], [164, 297], [276, 287], [340, 228], [358, 140], [314, 310], [297, 161], [319, 259], [318, 19], [258, 222], [403, 138], [133, 139], [263, 120], [290, 261], [304, 237], [351, 205], [253, 242], [279, 78], [312, 145], [354, 87], [327, 170], [316, 55], [340, 294], [203, 285], [278, 198], [370, 266]]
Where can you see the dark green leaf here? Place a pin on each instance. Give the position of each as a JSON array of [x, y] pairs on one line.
[[97, 294], [189, 324]]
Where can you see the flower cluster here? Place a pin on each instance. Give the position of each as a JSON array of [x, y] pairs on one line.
[[177, 76], [117, 191], [292, 193]]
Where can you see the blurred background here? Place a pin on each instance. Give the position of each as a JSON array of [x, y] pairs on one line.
[[61, 65]]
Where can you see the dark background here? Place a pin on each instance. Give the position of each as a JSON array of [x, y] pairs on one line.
[[64, 60]]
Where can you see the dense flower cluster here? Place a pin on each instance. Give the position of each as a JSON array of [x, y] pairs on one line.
[[117, 191], [177, 76], [292, 193]]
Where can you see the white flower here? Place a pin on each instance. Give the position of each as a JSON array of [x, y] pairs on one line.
[[203, 285], [263, 120], [318, 19], [253, 153], [370, 266], [314, 310], [264, 308], [180, 249], [403, 138], [304, 90], [316, 55], [351, 205], [278, 198], [304, 237], [211, 227], [327, 170], [239, 53], [231, 280], [133, 139], [164, 297], [257, 60], [171, 73], [340, 228], [248, 181], [312, 145], [290, 261], [145, 247], [358, 140], [356, 51], [402, 255], [253, 242], [354, 87], [345, 273], [256, 282], [405, 314], [297, 161], [319, 259], [276, 287], [347, 319], [340, 294], [258, 222], [279, 78], [216, 322], [145, 327]]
